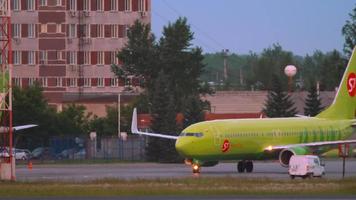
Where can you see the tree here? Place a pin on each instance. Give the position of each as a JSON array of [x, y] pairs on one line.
[[349, 32], [30, 107], [278, 103], [182, 63], [312, 103], [272, 61], [73, 120], [139, 56], [193, 111], [163, 121]]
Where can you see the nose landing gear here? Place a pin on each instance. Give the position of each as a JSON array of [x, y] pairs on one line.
[[243, 166], [196, 168]]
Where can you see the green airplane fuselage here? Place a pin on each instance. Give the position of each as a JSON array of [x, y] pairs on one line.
[[248, 138]]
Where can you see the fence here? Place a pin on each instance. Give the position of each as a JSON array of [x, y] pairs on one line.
[[130, 149]]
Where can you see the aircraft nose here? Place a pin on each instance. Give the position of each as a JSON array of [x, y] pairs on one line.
[[182, 146]]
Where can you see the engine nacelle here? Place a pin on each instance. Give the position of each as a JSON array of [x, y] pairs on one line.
[[285, 154]]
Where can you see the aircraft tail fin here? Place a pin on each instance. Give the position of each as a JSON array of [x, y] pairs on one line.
[[344, 104]]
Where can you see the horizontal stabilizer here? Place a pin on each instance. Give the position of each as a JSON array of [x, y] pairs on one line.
[[135, 130]]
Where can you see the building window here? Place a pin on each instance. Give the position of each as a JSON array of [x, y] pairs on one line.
[[31, 57], [58, 28], [126, 30], [44, 82], [100, 5], [43, 28], [17, 57], [115, 30], [114, 58], [31, 5], [73, 82], [84, 30], [141, 5], [31, 81], [58, 82], [16, 4], [43, 2], [16, 32], [100, 58], [87, 82], [100, 82], [72, 5], [86, 5], [87, 57], [113, 5], [72, 30], [43, 57], [127, 5], [72, 58], [17, 81], [114, 82], [31, 31], [59, 55], [100, 30], [58, 2]]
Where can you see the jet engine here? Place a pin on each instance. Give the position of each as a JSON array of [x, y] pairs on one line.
[[285, 154]]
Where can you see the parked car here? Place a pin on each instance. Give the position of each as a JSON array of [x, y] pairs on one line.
[[42, 153], [305, 166], [66, 154], [19, 154], [80, 154]]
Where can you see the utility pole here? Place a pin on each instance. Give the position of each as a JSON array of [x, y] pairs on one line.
[[225, 55]]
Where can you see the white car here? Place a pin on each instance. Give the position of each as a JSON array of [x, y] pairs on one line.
[[305, 166], [19, 154]]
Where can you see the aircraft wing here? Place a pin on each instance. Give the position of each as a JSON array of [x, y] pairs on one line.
[[135, 130], [5, 129], [311, 144], [17, 128]]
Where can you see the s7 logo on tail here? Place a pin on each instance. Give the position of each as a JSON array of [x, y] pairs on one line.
[[351, 84]]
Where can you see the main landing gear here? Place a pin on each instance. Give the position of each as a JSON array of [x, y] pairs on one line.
[[243, 166]]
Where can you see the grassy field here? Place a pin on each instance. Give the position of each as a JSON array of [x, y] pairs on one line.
[[186, 186]]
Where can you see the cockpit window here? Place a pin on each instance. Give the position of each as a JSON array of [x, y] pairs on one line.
[[191, 134]]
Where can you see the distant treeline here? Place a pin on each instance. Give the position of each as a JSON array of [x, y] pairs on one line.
[[254, 71]]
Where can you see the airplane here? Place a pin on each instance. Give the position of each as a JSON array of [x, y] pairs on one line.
[[206, 143]]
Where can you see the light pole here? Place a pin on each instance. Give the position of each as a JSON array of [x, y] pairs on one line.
[[118, 114]]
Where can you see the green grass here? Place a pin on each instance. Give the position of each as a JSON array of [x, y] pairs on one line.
[[185, 186]]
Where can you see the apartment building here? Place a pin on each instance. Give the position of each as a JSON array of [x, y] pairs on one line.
[[68, 46]]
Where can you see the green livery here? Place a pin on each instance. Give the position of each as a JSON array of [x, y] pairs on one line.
[[270, 138]]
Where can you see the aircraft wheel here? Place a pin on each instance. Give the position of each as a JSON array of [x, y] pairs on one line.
[[249, 166], [241, 166], [196, 168]]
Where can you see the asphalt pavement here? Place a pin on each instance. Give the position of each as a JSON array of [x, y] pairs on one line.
[[86, 172]]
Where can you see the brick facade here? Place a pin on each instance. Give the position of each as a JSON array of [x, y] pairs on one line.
[[68, 46]]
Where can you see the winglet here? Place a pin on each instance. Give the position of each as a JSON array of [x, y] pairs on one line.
[[134, 128]]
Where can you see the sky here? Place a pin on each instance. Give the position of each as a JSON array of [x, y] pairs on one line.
[[300, 26]]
